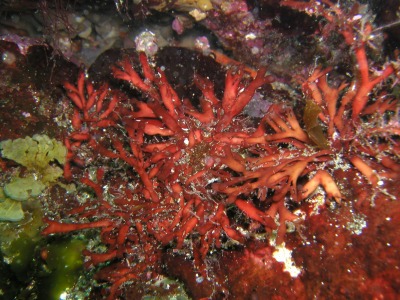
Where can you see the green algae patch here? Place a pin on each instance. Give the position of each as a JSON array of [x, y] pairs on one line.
[[64, 264], [19, 242], [34, 153], [19, 254], [10, 210], [22, 189], [40, 160], [23, 264], [42, 157]]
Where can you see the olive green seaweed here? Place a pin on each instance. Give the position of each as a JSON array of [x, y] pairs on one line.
[[313, 128], [22, 189], [34, 153], [41, 156], [10, 210]]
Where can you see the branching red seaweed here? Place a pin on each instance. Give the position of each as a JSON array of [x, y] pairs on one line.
[[196, 170]]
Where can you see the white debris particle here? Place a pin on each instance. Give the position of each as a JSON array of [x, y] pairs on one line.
[[284, 255], [358, 224], [146, 41], [197, 14], [317, 199], [255, 50], [8, 58], [250, 36], [340, 163], [63, 295], [199, 279], [335, 136]]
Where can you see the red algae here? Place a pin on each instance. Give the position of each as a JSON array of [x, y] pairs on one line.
[[252, 273]]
